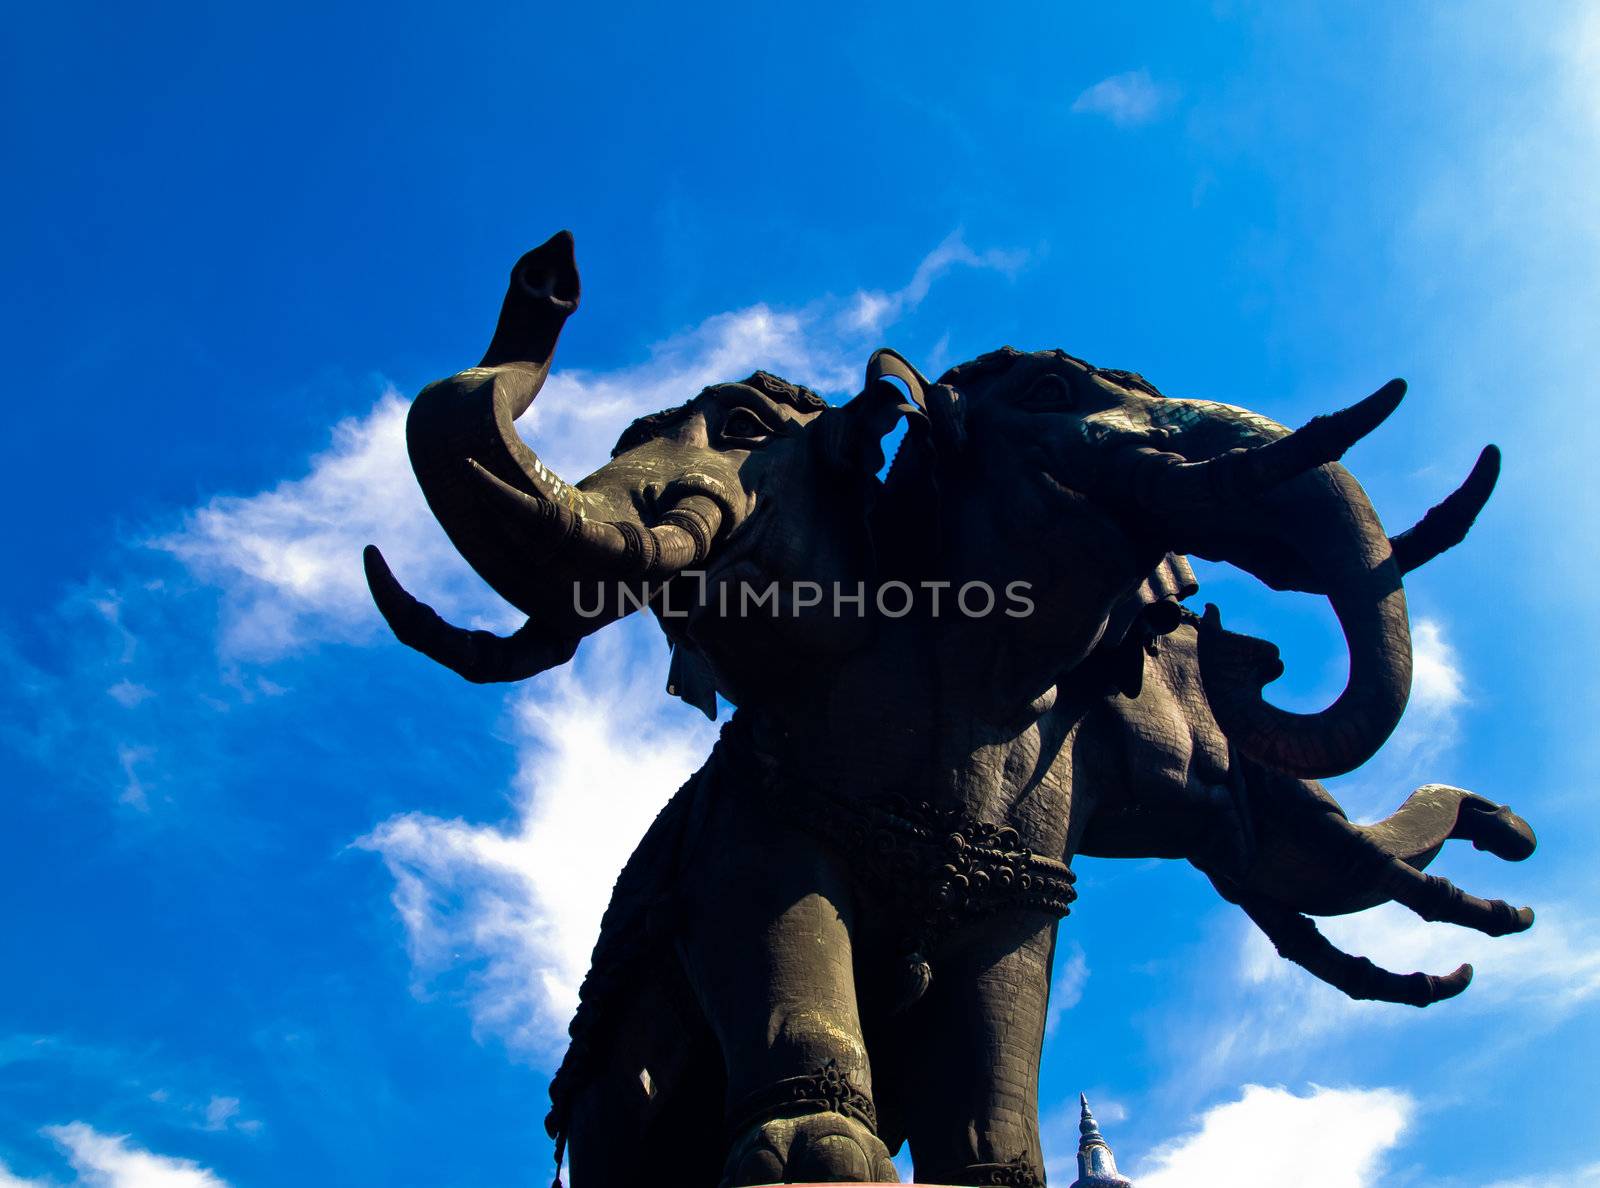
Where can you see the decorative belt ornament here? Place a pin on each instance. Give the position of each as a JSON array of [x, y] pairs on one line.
[[938, 865]]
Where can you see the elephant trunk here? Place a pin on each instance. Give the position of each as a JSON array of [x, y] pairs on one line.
[[1278, 505], [512, 517], [1367, 597]]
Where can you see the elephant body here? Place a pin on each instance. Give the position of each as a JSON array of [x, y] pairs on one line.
[[1086, 770], [875, 958], [837, 937]]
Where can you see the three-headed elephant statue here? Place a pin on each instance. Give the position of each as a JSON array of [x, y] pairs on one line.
[[837, 937]]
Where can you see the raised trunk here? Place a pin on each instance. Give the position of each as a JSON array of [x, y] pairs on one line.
[[528, 533], [470, 417], [1328, 535]]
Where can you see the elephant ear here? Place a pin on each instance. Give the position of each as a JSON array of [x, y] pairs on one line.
[[1167, 585], [690, 678], [1151, 608], [906, 519]]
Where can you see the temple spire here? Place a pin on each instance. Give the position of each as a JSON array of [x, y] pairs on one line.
[[1097, 1168]]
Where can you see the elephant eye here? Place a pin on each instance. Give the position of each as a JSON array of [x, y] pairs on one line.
[[1050, 393], [743, 427]]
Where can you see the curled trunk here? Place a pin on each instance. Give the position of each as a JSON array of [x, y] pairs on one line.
[[1279, 506], [1331, 536]]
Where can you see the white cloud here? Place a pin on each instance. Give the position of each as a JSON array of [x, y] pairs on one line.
[[1066, 990], [1124, 99], [219, 1110], [128, 694], [9, 1179], [1438, 692], [1587, 1176], [872, 310], [520, 904], [1437, 685], [135, 793], [1328, 1138], [112, 1161], [222, 1112], [288, 560]]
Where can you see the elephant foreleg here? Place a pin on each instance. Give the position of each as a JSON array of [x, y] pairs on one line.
[[641, 1106], [1436, 812], [768, 946], [1437, 899], [1314, 859], [971, 1057], [1297, 939]]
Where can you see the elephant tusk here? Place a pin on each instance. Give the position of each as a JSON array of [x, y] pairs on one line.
[[682, 538], [1446, 525], [1170, 484]]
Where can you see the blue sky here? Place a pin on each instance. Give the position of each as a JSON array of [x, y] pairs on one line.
[[282, 901]]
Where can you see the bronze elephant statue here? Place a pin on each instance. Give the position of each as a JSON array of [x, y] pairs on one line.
[[836, 938]]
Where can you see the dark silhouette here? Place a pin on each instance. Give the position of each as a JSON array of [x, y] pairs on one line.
[[837, 936]]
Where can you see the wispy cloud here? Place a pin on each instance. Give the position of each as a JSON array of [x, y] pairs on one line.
[[153, 1091], [219, 1112], [1437, 686], [1066, 987], [1438, 692], [288, 559], [128, 694], [9, 1179], [872, 309], [1587, 1176], [1326, 1138], [134, 793], [113, 1161], [224, 1113], [1124, 99]]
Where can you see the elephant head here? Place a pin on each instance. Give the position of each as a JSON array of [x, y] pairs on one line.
[[1095, 476], [741, 480]]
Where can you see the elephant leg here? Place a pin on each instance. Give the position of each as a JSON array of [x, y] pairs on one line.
[[639, 1109], [767, 943], [1296, 939], [971, 1059], [1494, 828], [1437, 899], [1324, 864], [1436, 812]]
